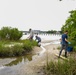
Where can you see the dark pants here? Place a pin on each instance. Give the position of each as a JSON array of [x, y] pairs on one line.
[[63, 46]]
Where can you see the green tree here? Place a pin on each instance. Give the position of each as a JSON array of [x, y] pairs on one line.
[[70, 25], [4, 32], [15, 34], [8, 33]]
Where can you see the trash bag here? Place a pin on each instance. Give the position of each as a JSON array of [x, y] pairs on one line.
[[69, 48]]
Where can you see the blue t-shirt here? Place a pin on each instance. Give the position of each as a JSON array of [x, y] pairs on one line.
[[64, 36], [38, 38]]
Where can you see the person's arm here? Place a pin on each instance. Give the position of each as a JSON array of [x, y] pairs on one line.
[[66, 40]]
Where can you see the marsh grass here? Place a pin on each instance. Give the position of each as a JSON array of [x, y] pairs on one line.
[[28, 45], [16, 48], [61, 67]]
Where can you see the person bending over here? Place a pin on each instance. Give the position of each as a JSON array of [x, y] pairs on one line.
[[38, 39]]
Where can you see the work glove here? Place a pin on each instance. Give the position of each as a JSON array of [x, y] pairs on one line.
[[69, 42]]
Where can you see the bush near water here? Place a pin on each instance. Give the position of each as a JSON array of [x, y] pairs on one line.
[[9, 33], [11, 45], [16, 48]]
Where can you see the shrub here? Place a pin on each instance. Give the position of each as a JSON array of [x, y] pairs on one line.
[[15, 34], [8, 33], [5, 51], [28, 45], [17, 50], [75, 48]]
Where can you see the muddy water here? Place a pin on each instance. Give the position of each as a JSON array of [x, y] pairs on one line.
[[10, 64], [20, 60]]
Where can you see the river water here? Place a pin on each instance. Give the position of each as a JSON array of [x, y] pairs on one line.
[[10, 64], [45, 37]]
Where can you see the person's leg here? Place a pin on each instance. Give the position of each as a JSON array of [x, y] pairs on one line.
[[66, 50], [62, 47]]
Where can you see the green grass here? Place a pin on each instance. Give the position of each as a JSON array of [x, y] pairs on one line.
[[61, 68], [18, 48]]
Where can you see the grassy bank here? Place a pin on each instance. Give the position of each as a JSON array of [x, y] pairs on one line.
[[61, 67], [16, 48]]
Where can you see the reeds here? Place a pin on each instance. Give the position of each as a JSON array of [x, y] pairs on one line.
[[61, 67]]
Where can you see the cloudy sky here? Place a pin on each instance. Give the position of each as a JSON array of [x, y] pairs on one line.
[[35, 14]]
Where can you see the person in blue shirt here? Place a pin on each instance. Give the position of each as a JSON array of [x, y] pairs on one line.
[[64, 43], [38, 39]]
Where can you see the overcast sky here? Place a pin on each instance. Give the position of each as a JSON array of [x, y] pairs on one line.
[[35, 14]]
